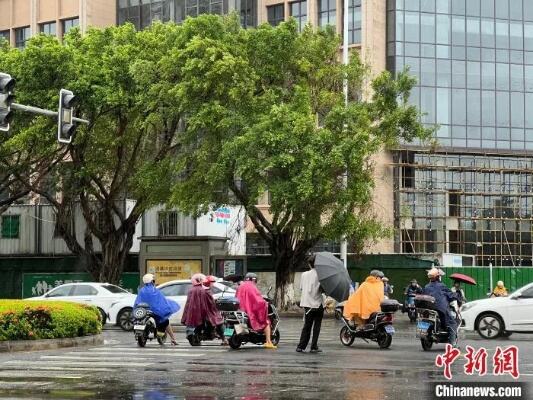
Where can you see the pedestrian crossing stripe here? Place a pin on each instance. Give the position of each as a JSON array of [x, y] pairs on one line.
[[74, 363], [159, 349], [85, 358]]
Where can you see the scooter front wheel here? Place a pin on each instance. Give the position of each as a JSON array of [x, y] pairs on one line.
[[141, 340], [346, 336], [426, 343], [275, 337]]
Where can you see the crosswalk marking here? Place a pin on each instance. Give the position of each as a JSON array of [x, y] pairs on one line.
[[158, 349], [74, 363], [151, 354], [121, 358], [44, 367], [37, 375]]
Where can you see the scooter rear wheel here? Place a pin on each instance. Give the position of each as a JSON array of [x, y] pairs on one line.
[[426, 343], [234, 342], [346, 336], [384, 339]]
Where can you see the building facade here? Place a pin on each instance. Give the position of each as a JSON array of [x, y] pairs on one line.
[[473, 193], [21, 19]]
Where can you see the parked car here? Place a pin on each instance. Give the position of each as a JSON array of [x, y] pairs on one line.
[[176, 290], [500, 316], [102, 295]]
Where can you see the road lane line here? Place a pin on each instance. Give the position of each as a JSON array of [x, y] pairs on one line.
[[73, 363]]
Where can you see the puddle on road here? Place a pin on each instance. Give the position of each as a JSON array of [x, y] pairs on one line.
[[202, 383]]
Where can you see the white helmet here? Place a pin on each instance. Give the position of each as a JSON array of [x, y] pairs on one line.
[[148, 278], [433, 273]]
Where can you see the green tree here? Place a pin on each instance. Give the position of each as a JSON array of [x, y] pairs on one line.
[[265, 113], [125, 151]]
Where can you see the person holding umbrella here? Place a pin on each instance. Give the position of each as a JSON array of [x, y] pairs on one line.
[[312, 301]]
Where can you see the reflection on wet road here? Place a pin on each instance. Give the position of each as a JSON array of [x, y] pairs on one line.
[[120, 370]]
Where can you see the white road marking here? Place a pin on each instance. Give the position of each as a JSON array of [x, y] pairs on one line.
[[44, 367], [31, 375], [115, 358], [141, 355], [138, 350], [73, 363]]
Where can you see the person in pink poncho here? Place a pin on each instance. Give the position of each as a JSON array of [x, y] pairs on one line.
[[252, 303], [201, 307]]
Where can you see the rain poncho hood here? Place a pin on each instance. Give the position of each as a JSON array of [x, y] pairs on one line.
[[366, 299], [252, 303], [500, 291], [200, 306], [159, 304]]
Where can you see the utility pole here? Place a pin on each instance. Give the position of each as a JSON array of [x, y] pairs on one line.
[[345, 31]]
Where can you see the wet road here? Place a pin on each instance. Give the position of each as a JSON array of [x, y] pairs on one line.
[[120, 370]]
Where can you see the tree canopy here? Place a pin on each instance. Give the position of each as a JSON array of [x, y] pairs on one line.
[[206, 113], [265, 113], [124, 152]]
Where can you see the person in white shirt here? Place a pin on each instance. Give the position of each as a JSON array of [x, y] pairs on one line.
[[312, 302]]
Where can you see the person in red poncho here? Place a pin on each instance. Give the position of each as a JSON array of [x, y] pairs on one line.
[[200, 307], [255, 306]]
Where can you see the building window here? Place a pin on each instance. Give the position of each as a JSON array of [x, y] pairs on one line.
[[276, 14], [327, 12], [248, 13], [197, 7], [10, 226], [167, 223], [4, 35], [298, 11], [141, 13], [22, 35], [48, 28], [354, 22], [68, 24]]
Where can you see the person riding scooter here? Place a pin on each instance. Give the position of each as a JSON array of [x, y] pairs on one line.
[[255, 306], [443, 297], [162, 307], [366, 300], [410, 292], [201, 307]]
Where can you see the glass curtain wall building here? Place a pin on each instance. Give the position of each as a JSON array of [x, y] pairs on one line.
[[142, 13], [473, 60]]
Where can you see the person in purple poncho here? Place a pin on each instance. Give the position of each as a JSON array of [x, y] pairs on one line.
[[162, 307], [201, 307]]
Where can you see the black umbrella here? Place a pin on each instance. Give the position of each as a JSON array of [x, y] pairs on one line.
[[332, 275]]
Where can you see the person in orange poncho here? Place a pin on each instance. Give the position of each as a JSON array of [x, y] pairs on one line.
[[366, 300]]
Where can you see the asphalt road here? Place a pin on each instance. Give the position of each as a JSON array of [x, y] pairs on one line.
[[121, 370]]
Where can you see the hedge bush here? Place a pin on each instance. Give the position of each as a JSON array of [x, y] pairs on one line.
[[27, 320]]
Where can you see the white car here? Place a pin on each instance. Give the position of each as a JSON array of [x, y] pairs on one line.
[[102, 295], [175, 290], [500, 316]]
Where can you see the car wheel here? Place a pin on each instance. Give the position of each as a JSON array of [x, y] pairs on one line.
[[103, 316], [490, 326], [124, 319]]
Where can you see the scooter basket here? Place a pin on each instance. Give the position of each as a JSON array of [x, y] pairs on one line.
[[390, 306], [228, 304], [241, 329], [425, 301]]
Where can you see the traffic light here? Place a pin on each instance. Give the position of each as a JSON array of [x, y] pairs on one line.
[[7, 84], [65, 125]]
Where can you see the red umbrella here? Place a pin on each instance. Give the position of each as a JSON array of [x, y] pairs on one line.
[[463, 278]]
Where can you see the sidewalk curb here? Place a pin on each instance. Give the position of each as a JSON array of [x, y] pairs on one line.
[[9, 346]]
